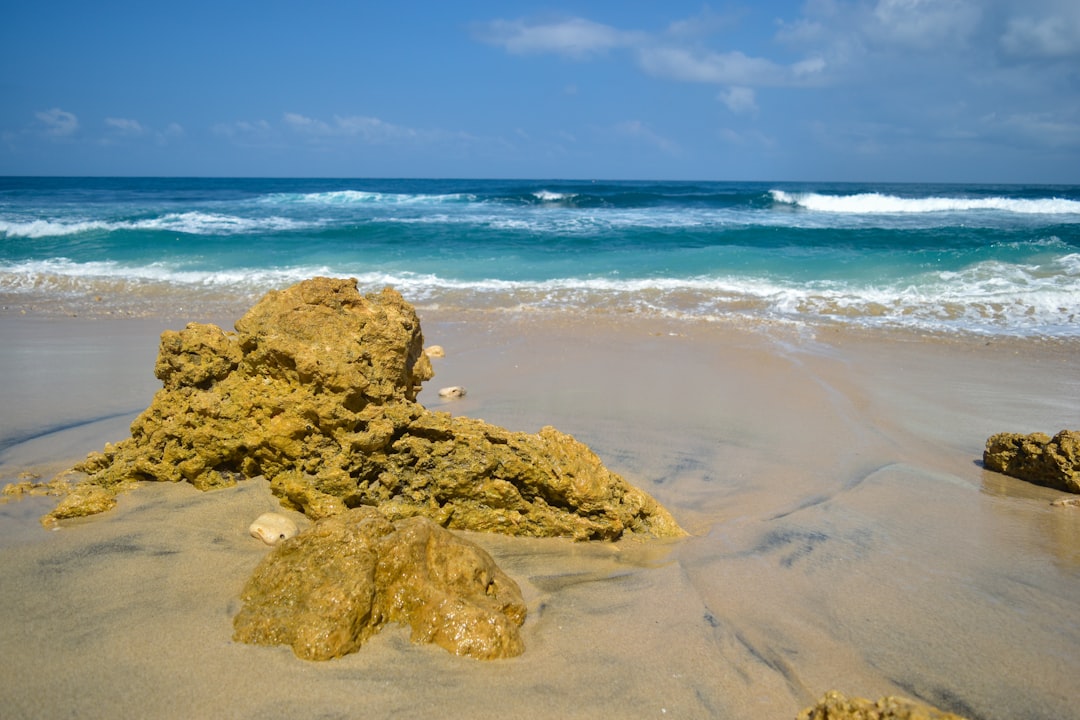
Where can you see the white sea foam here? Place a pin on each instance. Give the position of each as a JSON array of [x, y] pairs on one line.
[[198, 223], [878, 203], [50, 228], [353, 197], [990, 297], [42, 275], [550, 196], [194, 223]]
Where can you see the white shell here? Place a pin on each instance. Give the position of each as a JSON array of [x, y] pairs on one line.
[[454, 391], [272, 528], [435, 351]]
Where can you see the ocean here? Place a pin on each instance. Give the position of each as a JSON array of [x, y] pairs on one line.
[[970, 259]]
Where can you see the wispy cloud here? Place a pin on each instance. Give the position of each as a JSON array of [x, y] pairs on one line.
[[366, 128], [124, 126], [729, 68], [676, 53], [739, 99], [249, 133], [639, 131], [58, 123], [1047, 32], [923, 23], [576, 38]]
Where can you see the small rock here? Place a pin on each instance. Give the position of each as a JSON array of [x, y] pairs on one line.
[[1066, 502], [84, 499], [454, 391], [1038, 458], [272, 528], [836, 706], [333, 587], [435, 351]]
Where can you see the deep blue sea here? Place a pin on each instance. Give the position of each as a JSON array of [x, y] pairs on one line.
[[996, 260]]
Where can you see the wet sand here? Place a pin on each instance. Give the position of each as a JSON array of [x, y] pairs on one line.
[[844, 534]]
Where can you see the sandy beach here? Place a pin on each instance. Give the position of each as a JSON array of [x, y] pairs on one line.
[[843, 532]]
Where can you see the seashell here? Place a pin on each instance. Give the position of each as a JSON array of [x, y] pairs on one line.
[[435, 351], [272, 528], [454, 391]]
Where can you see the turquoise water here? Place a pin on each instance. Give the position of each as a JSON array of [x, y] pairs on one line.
[[948, 258]]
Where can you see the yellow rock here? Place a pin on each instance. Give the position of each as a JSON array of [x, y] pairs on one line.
[[316, 390], [835, 706], [1037, 458], [333, 586]]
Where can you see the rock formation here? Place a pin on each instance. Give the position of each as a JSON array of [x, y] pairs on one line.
[[330, 588], [835, 706], [1038, 458], [316, 390]]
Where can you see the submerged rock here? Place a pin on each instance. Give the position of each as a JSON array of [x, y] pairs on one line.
[[316, 390], [330, 588], [454, 391], [1037, 458], [836, 706]]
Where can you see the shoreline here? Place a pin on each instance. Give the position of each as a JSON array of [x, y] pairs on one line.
[[843, 532]]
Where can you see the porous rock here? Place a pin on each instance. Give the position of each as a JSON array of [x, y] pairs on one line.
[[82, 500], [1037, 458], [333, 586], [316, 390], [836, 706]]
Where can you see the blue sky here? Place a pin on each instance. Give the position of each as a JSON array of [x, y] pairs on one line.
[[860, 90]]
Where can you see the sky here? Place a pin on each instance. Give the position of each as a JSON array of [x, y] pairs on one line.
[[822, 90]]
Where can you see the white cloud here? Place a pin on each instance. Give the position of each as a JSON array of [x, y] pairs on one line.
[[1053, 35], [739, 99], [665, 55], [730, 68], [124, 126], [58, 123], [752, 137], [373, 129], [701, 25], [710, 67], [924, 23], [369, 129], [808, 68], [246, 132], [575, 38]]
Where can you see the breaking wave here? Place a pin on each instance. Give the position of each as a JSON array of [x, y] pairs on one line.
[[878, 203]]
